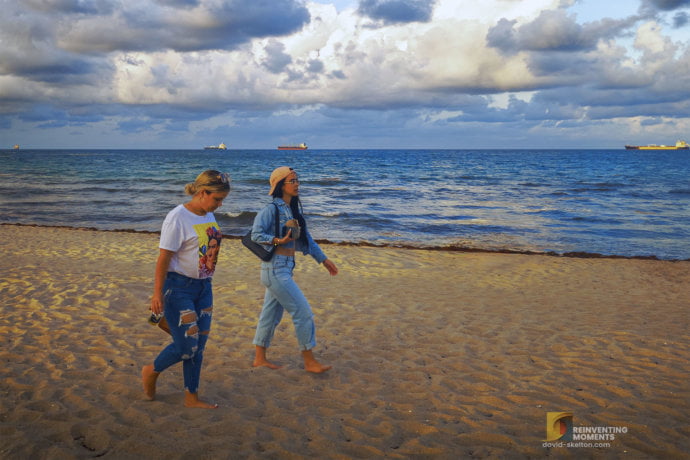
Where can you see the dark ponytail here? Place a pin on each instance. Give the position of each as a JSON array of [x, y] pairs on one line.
[[296, 207]]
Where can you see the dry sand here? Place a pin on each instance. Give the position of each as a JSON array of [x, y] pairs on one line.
[[435, 355]]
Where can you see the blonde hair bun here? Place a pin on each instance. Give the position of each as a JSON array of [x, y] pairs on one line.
[[211, 180]]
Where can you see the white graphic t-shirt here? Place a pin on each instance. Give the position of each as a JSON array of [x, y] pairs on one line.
[[195, 240]]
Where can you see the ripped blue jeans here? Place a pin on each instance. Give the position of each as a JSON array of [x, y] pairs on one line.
[[282, 293], [188, 311]]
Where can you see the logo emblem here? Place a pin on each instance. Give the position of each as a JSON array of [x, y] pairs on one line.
[[559, 426]]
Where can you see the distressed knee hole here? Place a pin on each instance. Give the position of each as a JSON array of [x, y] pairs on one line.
[[207, 311], [205, 332], [187, 317], [192, 331]]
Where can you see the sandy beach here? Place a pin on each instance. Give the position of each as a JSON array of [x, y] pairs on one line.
[[435, 355]]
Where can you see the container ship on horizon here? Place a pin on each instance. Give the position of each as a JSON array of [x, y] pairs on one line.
[[680, 145], [301, 146], [220, 146]]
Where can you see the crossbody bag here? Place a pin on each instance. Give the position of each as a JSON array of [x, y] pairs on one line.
[[257, 248]]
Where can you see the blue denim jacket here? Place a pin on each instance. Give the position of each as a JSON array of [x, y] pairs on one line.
[[264, 226]]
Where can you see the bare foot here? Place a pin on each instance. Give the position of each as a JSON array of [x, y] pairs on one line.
[[316, 367], [148, 379], [260, 359], [192, 400], [266, 363], [312, 365]]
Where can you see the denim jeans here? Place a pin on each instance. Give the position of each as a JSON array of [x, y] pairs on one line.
[[282, 293], [188, 311]]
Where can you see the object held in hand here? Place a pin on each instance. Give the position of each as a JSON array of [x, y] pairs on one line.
[[293, 225], [155, 318]]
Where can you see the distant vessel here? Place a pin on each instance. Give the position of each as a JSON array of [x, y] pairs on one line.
[[16, 146], [301, 146], [220, 146], [680, 145]]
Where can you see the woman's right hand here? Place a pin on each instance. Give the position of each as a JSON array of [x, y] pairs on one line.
[[162, 264], [286, 239], [157, 304]]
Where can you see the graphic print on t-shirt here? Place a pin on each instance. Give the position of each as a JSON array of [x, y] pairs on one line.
[[209, 247]]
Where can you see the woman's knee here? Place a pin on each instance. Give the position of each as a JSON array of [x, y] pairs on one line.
[[189, 343], [303, 313]]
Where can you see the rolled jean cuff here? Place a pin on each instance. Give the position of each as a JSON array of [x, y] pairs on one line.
[[308, 347]]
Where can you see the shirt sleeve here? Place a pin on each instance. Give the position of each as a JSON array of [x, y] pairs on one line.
[[264, 225], [312, 249], [171, 234]]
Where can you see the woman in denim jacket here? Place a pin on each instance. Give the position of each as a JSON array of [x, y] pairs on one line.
[[282, 293]]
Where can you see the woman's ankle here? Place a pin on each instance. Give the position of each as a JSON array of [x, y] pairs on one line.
[[192, 400]]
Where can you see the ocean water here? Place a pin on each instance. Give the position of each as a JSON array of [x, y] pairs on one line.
[[609, 202]]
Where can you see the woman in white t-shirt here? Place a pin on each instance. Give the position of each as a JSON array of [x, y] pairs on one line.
[[182, 291]]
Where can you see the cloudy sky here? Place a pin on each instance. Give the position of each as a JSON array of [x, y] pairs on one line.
[[344, 73]]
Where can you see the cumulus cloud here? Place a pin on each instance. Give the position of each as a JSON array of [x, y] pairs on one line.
[[668, 5], [276, 59], [680, 19], [178, 25], [72, 6], [554, 30], [179, 3], [397, 11]]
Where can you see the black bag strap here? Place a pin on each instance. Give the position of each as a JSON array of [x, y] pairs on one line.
[[277, 220]]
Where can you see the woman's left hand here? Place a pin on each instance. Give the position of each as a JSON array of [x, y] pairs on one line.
[[330, 266]]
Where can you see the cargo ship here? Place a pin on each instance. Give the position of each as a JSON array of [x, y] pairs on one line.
[[301, 146], [220, 146], [680, 145]]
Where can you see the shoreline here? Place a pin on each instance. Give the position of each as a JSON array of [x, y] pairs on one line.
[[449, 248]]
